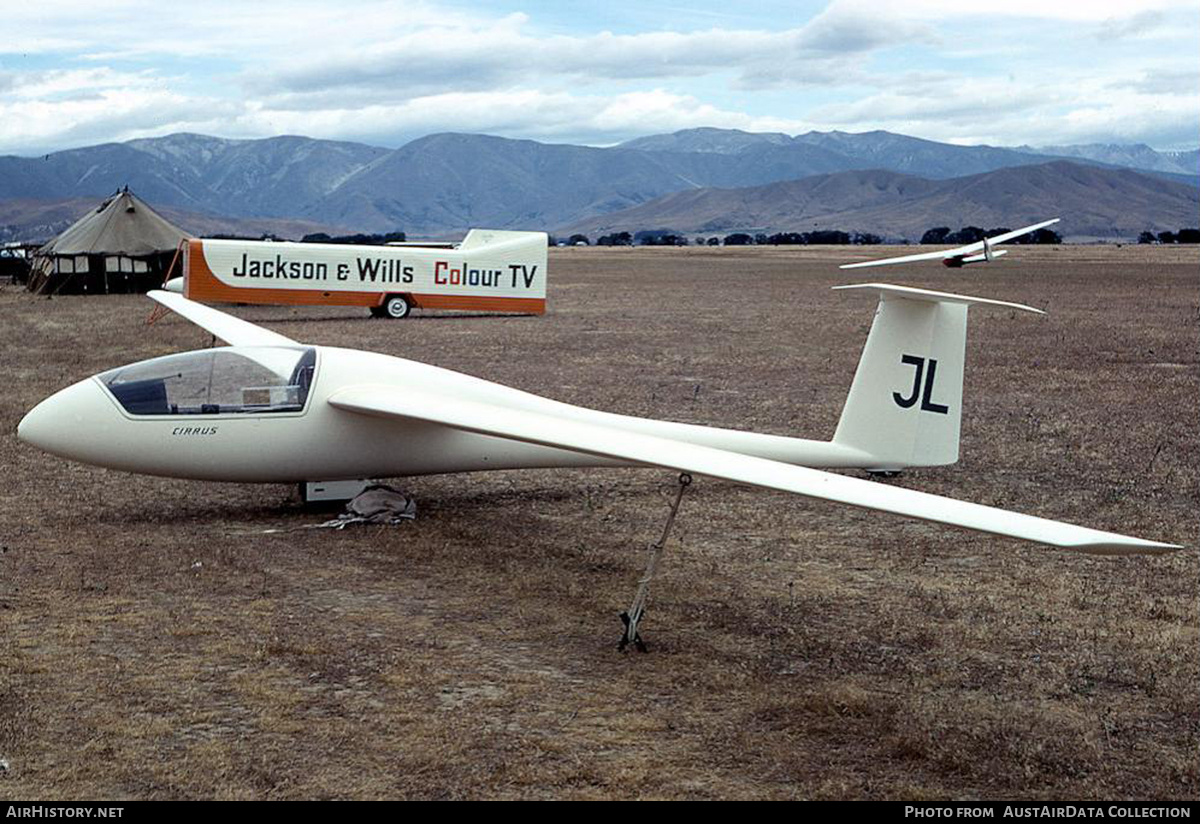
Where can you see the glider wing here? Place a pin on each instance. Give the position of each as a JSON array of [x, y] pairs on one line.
[[1018, 232], [613, 442], [903, 259], [234, 331], [966, 254]]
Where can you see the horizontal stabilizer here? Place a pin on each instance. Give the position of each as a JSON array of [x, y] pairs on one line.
[[888, 290], [984, 257]]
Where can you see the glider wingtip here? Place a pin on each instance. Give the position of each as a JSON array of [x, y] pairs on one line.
[[1127, 546], [163, 295]]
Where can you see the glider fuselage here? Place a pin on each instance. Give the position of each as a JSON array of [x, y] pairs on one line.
[[94, 422]]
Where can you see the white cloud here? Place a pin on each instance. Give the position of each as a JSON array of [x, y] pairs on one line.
[[1003, 71], [553, 116], [950, 101], [57, 83], [1142, 24], [1095, 11], [1160, 81], [1053, 111], [483, 55], [105, 116], [226, 29]]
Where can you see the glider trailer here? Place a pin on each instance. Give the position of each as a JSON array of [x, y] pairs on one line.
[[490, 270]]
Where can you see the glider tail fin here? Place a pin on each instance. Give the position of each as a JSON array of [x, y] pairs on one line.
[[905, 404]]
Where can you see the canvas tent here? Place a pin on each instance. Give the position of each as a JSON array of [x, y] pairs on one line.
[[121, 246]]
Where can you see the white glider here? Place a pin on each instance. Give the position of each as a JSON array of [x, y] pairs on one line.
[[980, 252], [269, 409]]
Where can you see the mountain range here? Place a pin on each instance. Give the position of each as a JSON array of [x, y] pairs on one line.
[[441, 184], [1094, 202], [913, 155]]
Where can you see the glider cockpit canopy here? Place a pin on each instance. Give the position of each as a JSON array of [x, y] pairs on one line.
[[227, 380]]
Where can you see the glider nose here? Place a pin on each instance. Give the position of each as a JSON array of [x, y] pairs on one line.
[[64, 423]]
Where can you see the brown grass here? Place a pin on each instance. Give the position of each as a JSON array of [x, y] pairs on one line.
[[154, 643]]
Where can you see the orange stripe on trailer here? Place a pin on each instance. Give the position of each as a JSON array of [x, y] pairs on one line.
[[533, 306]]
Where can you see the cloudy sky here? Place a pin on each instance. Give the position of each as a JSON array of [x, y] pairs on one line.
[[1004, 72]]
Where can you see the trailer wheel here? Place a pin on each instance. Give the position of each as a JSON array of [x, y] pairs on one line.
[[396, 307]]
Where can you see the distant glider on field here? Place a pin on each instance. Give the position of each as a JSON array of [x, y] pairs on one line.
[[980, 252]]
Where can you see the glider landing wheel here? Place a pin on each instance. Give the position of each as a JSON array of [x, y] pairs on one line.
[[396, 307], [633, 616]]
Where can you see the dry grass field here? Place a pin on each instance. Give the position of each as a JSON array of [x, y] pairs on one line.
[[156, 642]]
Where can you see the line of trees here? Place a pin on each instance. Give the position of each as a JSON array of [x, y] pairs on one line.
[[667, 237], [356, 240], [939, 235], [973, 234], [1182, 236]]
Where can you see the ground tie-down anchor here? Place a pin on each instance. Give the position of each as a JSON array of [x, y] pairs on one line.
[[633, 617]]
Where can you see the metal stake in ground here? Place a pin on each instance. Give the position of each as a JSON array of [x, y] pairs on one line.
[[633, 617]]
